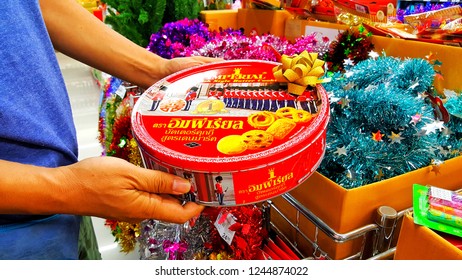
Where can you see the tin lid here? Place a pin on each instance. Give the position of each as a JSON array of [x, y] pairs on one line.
[[227, 116]]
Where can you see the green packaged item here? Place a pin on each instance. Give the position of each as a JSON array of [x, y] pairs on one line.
[[433, 219], [445, 218]]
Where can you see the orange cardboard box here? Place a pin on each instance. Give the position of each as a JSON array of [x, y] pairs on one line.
[[345, 210], [263, 21], [418, 242], [219, 18]]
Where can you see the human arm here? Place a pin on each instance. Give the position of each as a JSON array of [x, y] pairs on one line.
[[105, 187], [77, 33]]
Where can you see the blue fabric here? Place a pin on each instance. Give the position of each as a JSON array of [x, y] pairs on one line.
[[36, 124], [45, 239]]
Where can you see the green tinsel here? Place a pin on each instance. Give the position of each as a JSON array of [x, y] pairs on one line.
[[371, 135], [111, 104], [353, 43], [137, 20]]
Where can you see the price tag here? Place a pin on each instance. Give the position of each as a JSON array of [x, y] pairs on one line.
[[222, 224], [121, 91]]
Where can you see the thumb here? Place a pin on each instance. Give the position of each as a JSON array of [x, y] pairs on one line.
[[164, 183]]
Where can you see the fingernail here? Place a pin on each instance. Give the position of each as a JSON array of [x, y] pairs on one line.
[[180, 186]]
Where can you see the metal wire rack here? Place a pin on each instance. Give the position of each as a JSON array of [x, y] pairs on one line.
[[378, 240]]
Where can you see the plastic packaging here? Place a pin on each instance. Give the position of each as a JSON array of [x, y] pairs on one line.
[[434, 219]]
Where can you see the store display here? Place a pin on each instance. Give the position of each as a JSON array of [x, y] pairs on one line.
[[397, 103], [412, 8]]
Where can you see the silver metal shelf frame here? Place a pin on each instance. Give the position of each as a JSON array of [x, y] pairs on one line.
[[377, 237]]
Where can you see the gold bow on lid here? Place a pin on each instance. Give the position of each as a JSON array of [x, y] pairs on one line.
[[299, 71]]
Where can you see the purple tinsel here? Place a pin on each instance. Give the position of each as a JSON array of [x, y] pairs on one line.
[[172, 38], [192, 38]]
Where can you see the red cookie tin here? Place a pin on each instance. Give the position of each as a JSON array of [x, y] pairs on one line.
[[232, 130]]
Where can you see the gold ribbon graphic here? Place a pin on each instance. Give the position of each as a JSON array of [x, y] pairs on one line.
[[299, 71]]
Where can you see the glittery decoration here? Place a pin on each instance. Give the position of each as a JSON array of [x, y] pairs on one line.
[[204, 241], [117, 140], [381, 102], [351, 19], [134, 155], [350, 47], [454, 105], [378, 93], [125, 234], [377, 136], [171, 40], [193, 38], [250, 232], [160, 241], [174, 250], [395, 137]]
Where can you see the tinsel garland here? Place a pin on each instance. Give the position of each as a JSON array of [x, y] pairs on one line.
[[172, 39], [353, 44], [451, 141], [126, 234], [382, 125], [192, 38], [200, 240], [116, 137]]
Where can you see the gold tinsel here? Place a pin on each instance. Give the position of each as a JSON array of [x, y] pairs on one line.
[[135, 156], [127, 236]]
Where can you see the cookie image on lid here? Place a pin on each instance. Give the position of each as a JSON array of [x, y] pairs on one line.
[[257, 139], [281, 128], [262, 120], [298, 116], [232, 145]]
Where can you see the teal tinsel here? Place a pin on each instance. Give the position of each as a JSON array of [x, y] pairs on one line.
[[454, 105], [379, 96], [414, 75], [451, 139], [366, 73]]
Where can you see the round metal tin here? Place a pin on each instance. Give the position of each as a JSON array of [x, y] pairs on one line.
[[232, 130]]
